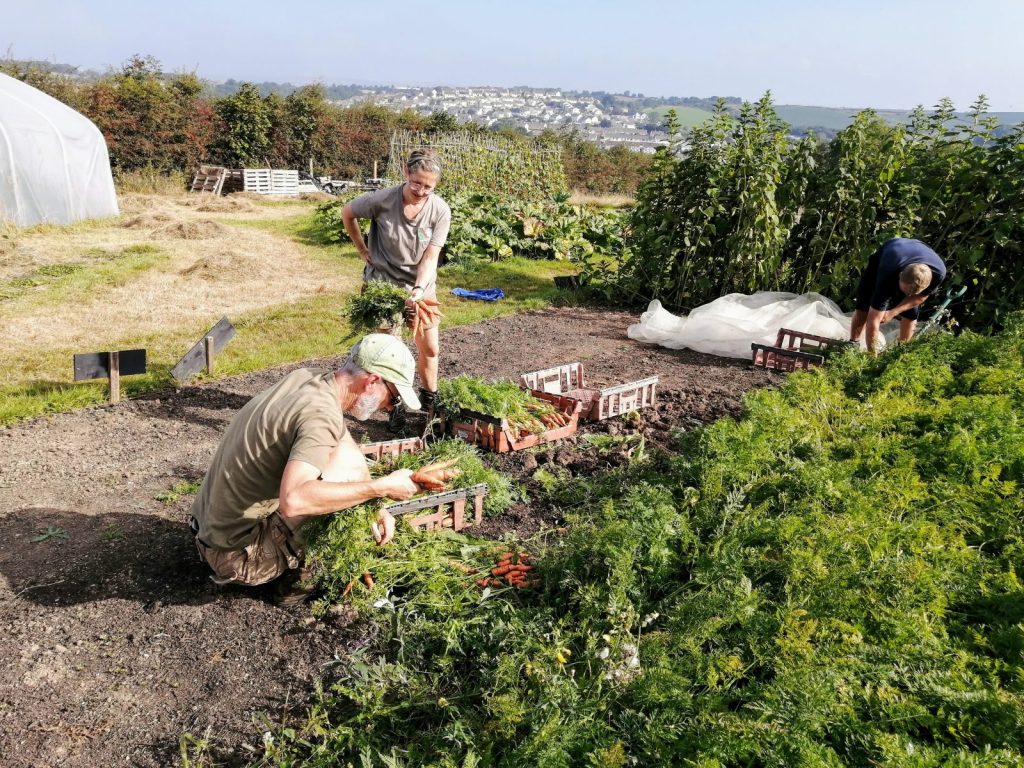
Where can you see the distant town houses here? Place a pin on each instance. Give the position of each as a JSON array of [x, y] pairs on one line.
[[531, 109]]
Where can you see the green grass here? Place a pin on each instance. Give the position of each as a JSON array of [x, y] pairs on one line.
[[179, 489], [267, 337], [689, 117]]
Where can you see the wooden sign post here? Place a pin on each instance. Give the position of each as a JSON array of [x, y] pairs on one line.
[[112, 366], [202, 353]]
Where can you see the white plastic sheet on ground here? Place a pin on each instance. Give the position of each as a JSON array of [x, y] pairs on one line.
[[727, 326]]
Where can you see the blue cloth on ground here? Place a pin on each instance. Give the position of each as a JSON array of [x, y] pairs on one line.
[[483, 294]]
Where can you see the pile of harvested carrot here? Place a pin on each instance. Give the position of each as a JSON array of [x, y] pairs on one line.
[[425, 314], [551, 419], [512, 570]]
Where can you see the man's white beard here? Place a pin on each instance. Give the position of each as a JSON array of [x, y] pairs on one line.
[[365, 406]]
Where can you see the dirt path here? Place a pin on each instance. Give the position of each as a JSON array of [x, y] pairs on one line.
[[115, 642]]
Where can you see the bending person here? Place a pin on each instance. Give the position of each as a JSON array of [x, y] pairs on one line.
[[899, 278], [287, 457], [409, 226]]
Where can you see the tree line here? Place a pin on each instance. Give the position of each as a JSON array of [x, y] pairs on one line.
[[153, 120]]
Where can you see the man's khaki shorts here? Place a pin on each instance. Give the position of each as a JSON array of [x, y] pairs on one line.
[[274, 551]]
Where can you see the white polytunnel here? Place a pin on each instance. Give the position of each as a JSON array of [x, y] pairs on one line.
[[54, 166]]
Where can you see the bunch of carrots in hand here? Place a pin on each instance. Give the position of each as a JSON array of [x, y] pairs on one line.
[[435, 477], [425, 313], [512, 570]]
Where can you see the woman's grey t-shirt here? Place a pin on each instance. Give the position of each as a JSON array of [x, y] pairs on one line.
[[396, 244]]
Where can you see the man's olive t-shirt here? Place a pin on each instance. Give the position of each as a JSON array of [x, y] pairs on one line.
[[297, 419], [396, 244]]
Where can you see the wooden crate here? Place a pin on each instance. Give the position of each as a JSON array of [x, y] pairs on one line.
[[494, 434], [456, 509], [376, 451], [597, 404]]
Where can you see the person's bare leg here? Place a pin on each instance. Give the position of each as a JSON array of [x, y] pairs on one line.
[[428, 348], [860, 317], [907, 328], [347, 464]]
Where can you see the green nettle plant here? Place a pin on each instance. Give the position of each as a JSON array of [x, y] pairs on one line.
[[740, 206], [833, 579]]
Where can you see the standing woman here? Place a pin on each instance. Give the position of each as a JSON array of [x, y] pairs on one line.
[[409, 226]]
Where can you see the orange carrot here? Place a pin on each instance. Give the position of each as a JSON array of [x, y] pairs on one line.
[[368, 580], [501, 570]]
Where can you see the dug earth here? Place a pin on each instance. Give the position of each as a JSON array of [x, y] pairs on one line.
[[116, 645]]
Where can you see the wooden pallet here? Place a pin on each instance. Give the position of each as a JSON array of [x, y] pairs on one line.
[[270, 181], [209, 178]]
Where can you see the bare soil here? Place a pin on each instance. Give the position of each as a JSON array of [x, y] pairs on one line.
[[115, 642]]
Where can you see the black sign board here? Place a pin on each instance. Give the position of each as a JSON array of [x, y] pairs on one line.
[[96, 365], [196, 358]]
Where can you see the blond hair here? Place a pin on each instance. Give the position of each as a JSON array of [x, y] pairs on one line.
[[915, 278]]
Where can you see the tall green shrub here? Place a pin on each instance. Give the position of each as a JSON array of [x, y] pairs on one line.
[[740, 206]]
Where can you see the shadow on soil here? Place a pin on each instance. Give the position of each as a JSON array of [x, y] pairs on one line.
[[58, 557]]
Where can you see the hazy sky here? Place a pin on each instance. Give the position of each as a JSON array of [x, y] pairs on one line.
[[892, 54]]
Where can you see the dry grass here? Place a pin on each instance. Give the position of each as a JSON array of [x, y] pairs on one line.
[[161, 268], [601, 201]]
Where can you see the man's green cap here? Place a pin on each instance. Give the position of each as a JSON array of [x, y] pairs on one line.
[[389, 358]]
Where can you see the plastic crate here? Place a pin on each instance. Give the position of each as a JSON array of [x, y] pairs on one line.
[[794, 350], [447, 509], [494, 434], [781, 359], [597, 404], [376, 451]]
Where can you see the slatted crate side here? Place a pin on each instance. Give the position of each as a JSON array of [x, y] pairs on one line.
[[780, 359], [456, 509], [378, 450], [798, 340], [496, 435], [557, 381], [624, 398]]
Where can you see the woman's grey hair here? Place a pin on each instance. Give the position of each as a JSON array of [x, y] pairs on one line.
[[424, 160]]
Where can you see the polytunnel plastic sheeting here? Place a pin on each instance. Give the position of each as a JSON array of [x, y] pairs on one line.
[[54, 166], [727, 326]]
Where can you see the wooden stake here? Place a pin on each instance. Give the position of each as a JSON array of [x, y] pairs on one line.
[[114, 367], [208, 347]]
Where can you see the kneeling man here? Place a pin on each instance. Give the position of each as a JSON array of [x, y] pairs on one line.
[[287, 456]]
